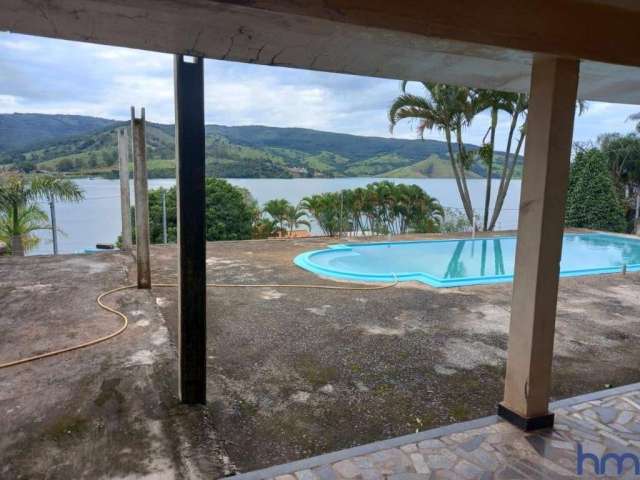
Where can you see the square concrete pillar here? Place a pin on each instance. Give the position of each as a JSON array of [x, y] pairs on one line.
[[141, 197], [552, 102], [125, 200]]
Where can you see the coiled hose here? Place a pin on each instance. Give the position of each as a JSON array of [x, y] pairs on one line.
[[125, 319]]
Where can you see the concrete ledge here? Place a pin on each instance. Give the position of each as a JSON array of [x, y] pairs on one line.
[[589, 397]]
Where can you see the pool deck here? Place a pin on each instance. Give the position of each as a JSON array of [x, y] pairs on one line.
[[605, 422], [297, 373], [292, 374]]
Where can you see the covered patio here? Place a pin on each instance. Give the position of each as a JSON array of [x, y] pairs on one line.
[[557, 52]]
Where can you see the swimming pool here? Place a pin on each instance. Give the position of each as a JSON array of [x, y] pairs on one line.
[[453, 263]]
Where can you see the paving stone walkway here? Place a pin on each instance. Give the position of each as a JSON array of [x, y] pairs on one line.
[[489, 448]]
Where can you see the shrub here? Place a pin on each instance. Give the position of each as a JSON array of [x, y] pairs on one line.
[[592, 198]]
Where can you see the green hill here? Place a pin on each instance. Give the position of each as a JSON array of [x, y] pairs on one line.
[[87, 146], [21, 130]]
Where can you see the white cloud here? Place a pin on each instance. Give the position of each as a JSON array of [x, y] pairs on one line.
[[8, 102], [56, 76]]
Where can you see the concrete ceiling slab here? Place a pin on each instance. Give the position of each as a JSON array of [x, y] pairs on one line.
[[304, 35]]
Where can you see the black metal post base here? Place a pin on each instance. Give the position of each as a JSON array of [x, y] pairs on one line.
[[523, 423]]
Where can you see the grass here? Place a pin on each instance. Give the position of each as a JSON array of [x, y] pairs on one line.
[[314, 372]]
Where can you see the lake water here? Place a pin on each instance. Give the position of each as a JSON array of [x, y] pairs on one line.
[[97, 218]]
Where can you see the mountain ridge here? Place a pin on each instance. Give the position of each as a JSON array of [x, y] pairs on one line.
[[87, 145]]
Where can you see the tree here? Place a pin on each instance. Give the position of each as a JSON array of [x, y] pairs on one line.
[[444, 108], [636, 116], [517, 111], [229, 212], [592, 198], [278, 209], [28, 166], [379, 208], [264, 228], [29, 219], [622, 153], [65, 165], [20, 215], [295, 217], [450, 109], [514, 105], [325, 208]]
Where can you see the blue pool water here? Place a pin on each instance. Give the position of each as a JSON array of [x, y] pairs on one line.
[[452, 263]]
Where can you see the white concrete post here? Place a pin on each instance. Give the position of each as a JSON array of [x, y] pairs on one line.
[[141, 199], [552, 102], [125, 198]]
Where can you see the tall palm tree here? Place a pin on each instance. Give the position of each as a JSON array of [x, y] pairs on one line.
[[20, 213], [495, 101], [517, 107], [448, 109]]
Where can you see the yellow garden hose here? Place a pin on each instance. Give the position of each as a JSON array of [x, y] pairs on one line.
[[125, 319]]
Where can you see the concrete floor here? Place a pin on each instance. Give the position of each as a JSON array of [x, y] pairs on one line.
[[109, 411], [295, 373], [292, 373]]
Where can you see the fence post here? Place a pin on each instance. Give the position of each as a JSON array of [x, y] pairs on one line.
[[54, 225], [141, 199], [125, 198]]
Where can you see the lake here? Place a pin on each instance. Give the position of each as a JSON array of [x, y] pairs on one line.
[[97, 218]]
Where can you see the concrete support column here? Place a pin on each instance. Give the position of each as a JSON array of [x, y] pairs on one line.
[[192, 293], [141, 199], [552, 103], [125, 199]]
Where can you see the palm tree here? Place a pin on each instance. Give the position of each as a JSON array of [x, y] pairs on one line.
[[294, 218], [277, 210], [496, 102], [448, 109], [636, 116], [424, 212], [517, 107], [30, 219], [20, 215], [325, 208]]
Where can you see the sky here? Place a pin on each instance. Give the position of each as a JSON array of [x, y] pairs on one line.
[[40, 75]]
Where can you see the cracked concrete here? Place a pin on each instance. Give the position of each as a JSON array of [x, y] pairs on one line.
[[108, 411], [289, 375], [396, 359]]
